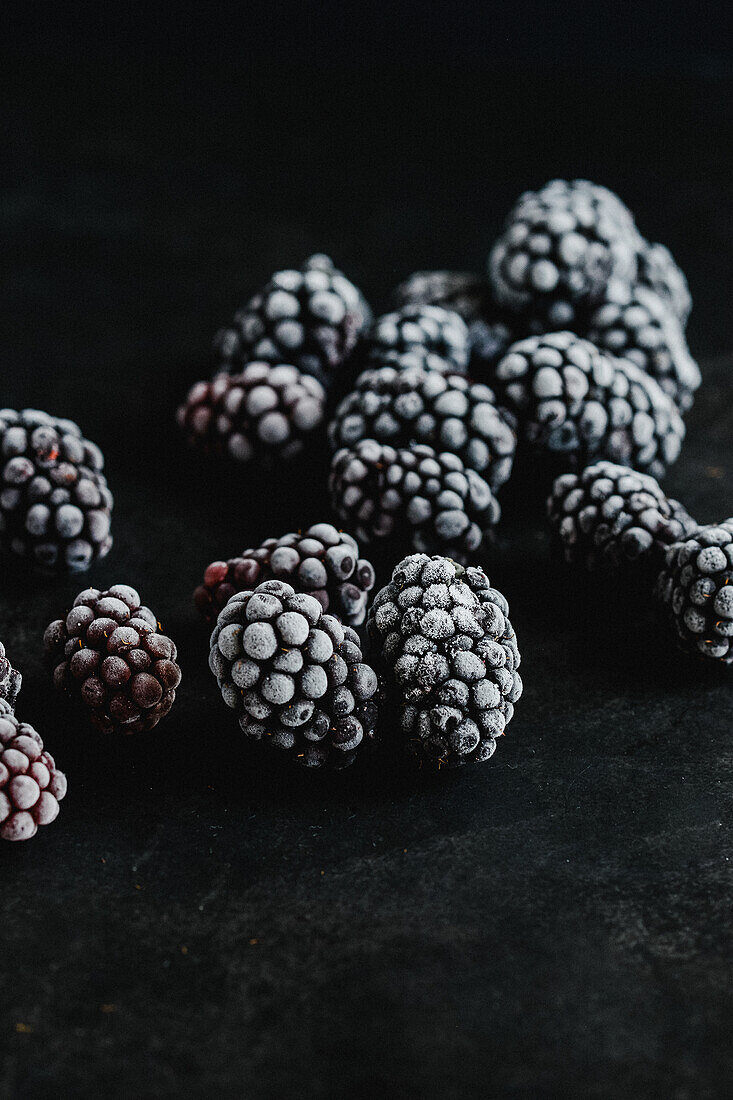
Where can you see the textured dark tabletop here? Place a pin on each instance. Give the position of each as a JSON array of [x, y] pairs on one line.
[[199, 922]]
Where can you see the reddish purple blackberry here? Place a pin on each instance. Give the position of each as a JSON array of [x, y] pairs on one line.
[[264, 412], [294, 675], [10, 680], [321, 561], [31, 786], [109, 653], [55, 506]]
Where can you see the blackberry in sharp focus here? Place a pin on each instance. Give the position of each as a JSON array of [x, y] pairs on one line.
[[312, 317], [414, 405], [610, 516], [637, 324], [321, 561], [696, 587], [109, 652], [658, 271], [31, 786], [441, 332], [263, 412], [560, 247], [55, 506], [295, 676], [10, 679], [426, 501], [450, 656]]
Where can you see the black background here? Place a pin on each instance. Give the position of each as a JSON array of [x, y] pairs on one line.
[[556, 922]]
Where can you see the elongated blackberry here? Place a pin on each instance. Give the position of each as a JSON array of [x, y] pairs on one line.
[[696, 588], [312, 317], [321, 561], [414, 405], [659, 271], [441, 332], [443, 637], [610, 516], [109, 653], [10, 679], [412, 495], [266, 412], [55, 506], [31, 786], [294, 675]]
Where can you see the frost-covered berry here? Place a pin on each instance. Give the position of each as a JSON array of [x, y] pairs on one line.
[[440, 332], [696, 587], [659, 271], [10, 679], [31, 786]]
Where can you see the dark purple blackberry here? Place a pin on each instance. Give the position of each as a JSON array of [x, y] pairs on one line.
[[449, 413], [312, 317], [658, 271], [10, 679], [109, 653], [441, 332], [560, 247], [413, 496], [294, 675], [450, 656], [264, 412], [609, 516], [55, 506], [321, 561], [31, 786], [635, 323], [696, 587]]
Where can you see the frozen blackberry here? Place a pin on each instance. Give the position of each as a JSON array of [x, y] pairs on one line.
[[441, 332], [696, 587], [264, 412], [295, 676], [312, 317], [109, 653], [634, 322], [426, 501], [560, 247], [658, 271], [31, 786], [10, 679], [609, 516], [321, 561], [414, 405], [646, 429], [450, 655], [55, 506]]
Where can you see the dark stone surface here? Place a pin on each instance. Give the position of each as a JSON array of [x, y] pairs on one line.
[[198, 922]]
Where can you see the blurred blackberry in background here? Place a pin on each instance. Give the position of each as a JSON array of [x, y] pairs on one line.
[[696, 587], [31, 786], [10, 679], [441, 332], [659, 271]]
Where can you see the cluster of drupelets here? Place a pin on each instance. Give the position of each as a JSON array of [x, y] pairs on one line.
[[570, 352]]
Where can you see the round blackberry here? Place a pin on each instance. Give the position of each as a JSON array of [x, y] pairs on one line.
[[425, 500], [265, 412], [450, 656], [109, 652], [31, 786], [321, 561], [658, 271], [294, 675], [10, 679], [696, 587], [610, 516], [312, 317], [559, 248], [637, 324], [55, 506], [441, 332], [415, 405]]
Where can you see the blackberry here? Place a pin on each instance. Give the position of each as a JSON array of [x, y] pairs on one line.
[[55, 506], [441, 332], [609, 516], [294, 675], [560, 247], [637, 324], [646, 429], [321, 561], [658, 271], [31, 786], [450, 656], [265, 411], [696, 587], [415, 405], [312, 317], [109, 653], [426, 500], [10, 679]]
